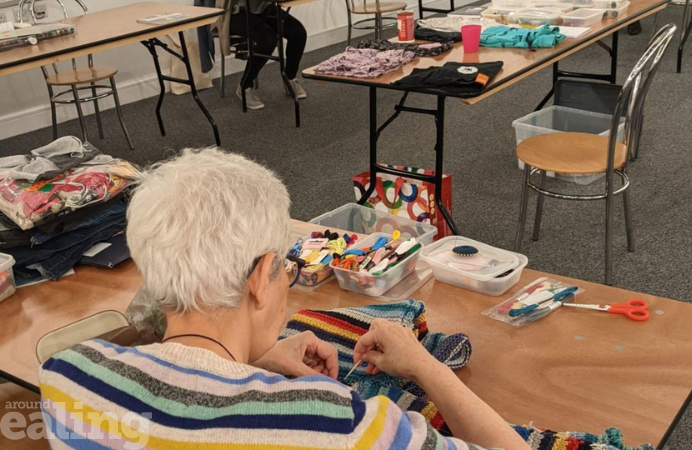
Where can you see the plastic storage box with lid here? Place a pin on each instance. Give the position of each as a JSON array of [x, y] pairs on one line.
[[582, 3], [582, 17], [505, 15], [563, 7], [538, 16], [615, 13], [510, 3], [375, 285], [363, 220], [7, 286], [609, 4], [555, 119], [490, 271]]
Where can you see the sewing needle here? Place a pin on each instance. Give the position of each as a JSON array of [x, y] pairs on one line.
[[355, 366]]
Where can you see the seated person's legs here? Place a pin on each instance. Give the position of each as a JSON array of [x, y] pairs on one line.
[[296, 37], [264, 38]]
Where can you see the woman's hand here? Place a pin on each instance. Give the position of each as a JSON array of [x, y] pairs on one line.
[[393, 349], [301, 355]]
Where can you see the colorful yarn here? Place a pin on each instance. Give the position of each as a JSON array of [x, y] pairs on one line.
[[343, 327], [550, 440]]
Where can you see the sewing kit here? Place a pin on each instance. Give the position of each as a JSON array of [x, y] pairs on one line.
[[318, 250], [472, 265], [377, 263], [533, 302]]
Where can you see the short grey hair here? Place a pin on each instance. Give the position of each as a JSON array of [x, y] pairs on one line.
[[197, 223]]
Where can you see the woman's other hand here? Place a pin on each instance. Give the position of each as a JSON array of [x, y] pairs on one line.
[[393, 349], [301, 355]]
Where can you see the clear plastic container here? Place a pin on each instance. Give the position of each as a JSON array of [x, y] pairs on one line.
[[505, 15], [616, 13], [563, 7], [375, 285], [363, 220], [495, 285], [510, 3], [538, 16], [582, 3], [609, 4], [582, 17], [7, 286], [313, 278], [555, 119]]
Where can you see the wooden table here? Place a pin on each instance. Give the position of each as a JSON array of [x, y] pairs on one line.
[[113, 28], [518, 64], [574, 370]]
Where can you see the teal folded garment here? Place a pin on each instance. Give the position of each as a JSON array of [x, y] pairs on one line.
[[504, 36]]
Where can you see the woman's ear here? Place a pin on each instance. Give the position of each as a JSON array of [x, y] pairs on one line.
[[258, 281]]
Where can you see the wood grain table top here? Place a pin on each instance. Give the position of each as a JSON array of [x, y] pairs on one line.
[[574, 370], [104, 30], [518, 63]]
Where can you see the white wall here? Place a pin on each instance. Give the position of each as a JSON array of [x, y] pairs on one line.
[[24, 98]]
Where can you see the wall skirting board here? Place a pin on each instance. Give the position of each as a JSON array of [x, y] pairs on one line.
[[32, 118]]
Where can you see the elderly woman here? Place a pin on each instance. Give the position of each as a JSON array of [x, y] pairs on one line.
[[209, 232]]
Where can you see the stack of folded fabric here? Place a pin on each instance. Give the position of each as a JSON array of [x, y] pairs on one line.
[[57, 203]]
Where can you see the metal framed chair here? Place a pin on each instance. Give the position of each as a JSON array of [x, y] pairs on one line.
[[78, 80], [582, 153], [377, 23]]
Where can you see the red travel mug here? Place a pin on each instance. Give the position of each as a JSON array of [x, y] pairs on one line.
[[471, 38]]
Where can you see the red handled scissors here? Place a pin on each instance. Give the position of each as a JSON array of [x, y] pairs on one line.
[[634, 309]]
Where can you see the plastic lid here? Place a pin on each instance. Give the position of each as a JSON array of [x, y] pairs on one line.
[[470, 258], [538, 13]]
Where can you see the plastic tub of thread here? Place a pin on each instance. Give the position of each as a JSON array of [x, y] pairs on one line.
[[563, 7], [616, 13], [375, 285], [556, 119], [496, 285], [538, 16], [311, 278], [582, 17], [363, 220], [7, 286]]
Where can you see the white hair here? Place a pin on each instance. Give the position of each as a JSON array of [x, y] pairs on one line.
[[197, 223]]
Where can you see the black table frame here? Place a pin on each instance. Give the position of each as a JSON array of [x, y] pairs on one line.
[[439, 111], [151, 45]]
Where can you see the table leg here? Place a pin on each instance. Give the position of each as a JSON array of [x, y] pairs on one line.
[[614, 58], [191, 78], [162, 88], [439, 161], [685, 29], [282, 62], [151, 45], [373, 146]]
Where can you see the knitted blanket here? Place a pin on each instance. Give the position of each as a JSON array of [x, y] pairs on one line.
[[343, 327]]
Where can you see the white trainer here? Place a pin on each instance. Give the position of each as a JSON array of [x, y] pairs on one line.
[[251, 99], [298, 89]]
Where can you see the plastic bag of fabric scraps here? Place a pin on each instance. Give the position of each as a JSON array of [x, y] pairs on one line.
[[29, 203], [146, 317]]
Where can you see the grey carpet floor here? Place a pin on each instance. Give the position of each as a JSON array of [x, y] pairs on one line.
[[318, 160]]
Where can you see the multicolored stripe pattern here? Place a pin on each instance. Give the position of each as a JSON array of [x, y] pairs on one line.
[[551, 440], [98, 395], [343, 327]]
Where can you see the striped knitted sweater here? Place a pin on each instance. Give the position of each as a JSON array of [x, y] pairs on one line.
[[97, 395]]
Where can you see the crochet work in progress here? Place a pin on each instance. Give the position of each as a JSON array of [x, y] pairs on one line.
[[343, 327]]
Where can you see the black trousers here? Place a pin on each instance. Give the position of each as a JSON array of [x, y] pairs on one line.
[[263, 32]]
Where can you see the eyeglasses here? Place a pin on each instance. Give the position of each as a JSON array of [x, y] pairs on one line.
[[292, 265]]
